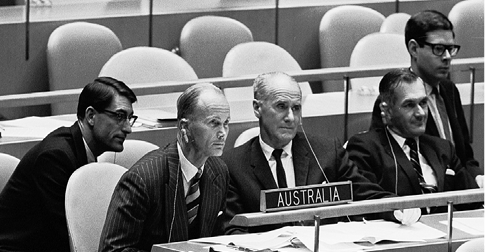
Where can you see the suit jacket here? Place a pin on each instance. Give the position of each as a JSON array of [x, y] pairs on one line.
[[250, 173], [374, 151], [454, 109], [148, 204], [32, 213]]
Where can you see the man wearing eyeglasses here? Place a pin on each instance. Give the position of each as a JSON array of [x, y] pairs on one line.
[[32, 213], [430, 40]]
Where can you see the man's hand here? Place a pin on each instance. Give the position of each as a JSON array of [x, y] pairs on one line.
[[479, 179], [408, 216]]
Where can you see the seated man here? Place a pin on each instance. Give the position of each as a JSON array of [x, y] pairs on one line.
[[175, 193], [400, 157], [254, 166], [32, 213]]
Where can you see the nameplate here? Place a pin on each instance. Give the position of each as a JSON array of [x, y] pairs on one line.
[[306, 196]]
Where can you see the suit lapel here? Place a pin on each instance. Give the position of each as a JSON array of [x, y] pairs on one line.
[[175, 188], [300, 161], [433, 161], [402, 160], [210, 198], [260, 166]]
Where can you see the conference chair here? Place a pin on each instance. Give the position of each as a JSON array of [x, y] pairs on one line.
[[205, 41], [8, 164], [149, 65], [475, 245], [340, 29], [256, 58], [133, 150], [246, 136], [75, 54], [395, 23], [88, 195], [377, 49], [467, 20]]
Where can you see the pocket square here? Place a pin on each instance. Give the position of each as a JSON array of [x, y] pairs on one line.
[[450, 172]]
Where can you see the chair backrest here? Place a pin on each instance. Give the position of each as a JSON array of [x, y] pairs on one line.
[[395, 23], [88, 195], [377, 49], [8, 164], [205, 41], [246, 136], [256, 58], [467, 20], [148, 65], [75, 54], [133, 150], [340, 29], [475, 245]]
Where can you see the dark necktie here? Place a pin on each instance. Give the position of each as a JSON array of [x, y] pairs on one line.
[[192, 199], [413, 154], [280, 172], [440, 105]]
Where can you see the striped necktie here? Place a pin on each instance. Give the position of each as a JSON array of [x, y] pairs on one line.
[[192, 199], [413, 154], [280, 172]]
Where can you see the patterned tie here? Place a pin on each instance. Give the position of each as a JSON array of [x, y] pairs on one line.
[[192, 199], [280, 172], [440, 105], [413, 153]]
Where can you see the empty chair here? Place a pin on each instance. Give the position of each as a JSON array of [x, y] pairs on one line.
[[8, 164], [475, 245], [133, 150], [148, 65], [340, 30], [395, 23], [256, 58], [467, 19], [385, 49], [205, 41], [75, 54], [88, 195], [246, 136]]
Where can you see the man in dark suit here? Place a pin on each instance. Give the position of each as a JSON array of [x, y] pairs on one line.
[[400, 157], [429, 38], [154, 201], [32, 213], [304, 160]]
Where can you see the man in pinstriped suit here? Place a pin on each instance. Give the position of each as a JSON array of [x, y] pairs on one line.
[[149, 203]]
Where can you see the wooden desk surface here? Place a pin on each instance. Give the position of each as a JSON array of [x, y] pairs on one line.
[[435, 245]]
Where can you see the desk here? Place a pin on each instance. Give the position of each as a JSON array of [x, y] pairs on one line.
[[436, 245]]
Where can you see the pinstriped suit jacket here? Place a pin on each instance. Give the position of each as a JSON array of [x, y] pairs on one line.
[[150, 196]]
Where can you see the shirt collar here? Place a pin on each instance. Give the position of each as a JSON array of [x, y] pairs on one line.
[[400, 140], [188, 169], [268, 150]]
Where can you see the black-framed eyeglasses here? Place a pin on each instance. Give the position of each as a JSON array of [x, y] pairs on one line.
[[439, 49], [121, 117]]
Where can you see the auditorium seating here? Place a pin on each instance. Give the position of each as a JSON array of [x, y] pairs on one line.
[[133, 150], [148, 65], [205, 41], [8, 164], [467, 19], [255, 58], [395, 23], [340, 30], [75, 54]]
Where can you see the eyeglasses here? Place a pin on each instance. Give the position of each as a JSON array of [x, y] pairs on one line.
[[439, 49], [121, 117]]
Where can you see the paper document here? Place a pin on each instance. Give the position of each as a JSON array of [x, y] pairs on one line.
[[33, 126], [471, 225]]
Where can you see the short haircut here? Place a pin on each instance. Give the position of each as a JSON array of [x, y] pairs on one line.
[[100, 93], [260, 84], [391, 81], [423, 22], [188, 100]]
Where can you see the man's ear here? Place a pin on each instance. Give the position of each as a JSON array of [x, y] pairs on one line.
[[413, 48], [385, 112], [257, 108], [183, 123], [89, 115]]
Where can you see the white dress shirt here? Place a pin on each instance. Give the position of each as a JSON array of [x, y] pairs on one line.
[[286, 160], [188, 169]]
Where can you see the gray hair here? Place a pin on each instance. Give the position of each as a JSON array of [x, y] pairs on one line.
[[261, 83], [187, 101]]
